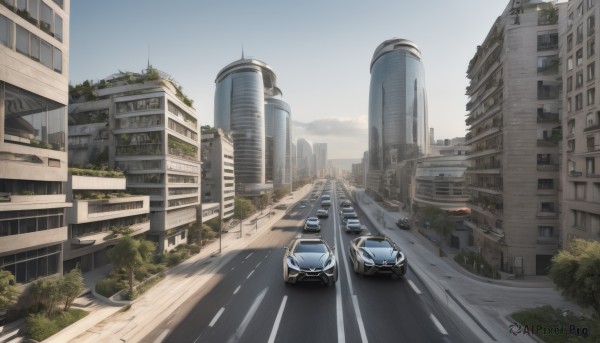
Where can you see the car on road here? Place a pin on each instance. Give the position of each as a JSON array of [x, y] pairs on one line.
[[348, 215], [403, 223], [353, 225], [309, 259], [281, 207], [312, 224], [370, 255], [346, 203], [322, 213]]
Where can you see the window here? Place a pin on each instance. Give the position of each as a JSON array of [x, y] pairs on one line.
[[580, 9], [570, 63], [569, 21], [57, 60], [569, 105], [570, 42], [591, 71], [591, 23], [46, 19], [547, 207], [58, 27], [591, 47], [579, 219], [547, 64], [571, 127], [579, 79], [547, 41], [591, 95], [547, 90], [569, 83], [22, 40], [46, 54], [591, 143], [590, 166], [579, 190], [544, 159], [579, 57], [545, 184], [545, 231], [578, 101], [571, 145], [579, 33], [6, 29], [590, 4]]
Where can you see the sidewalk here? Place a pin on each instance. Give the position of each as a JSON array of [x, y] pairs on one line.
[[100, 310]]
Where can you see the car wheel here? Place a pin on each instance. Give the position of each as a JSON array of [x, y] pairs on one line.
[[355, 266]]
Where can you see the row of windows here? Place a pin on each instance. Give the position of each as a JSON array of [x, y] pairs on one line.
[[16, 226], [182, 167], [31, 265], [180, 191], [138, 105], [78, 230], [591, 99], [591, 75], [39, 14], [139, 121], [182, 130], [139, 165], [106, 207], [178, 112], [181, 202]]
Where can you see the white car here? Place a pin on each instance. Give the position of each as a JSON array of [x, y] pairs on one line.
[[353, 225], [312, 224]]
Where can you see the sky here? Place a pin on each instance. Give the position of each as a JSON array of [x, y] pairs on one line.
[[320, 51]]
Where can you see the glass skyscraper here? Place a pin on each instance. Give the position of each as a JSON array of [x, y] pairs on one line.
[[398, 128], [278, 142], [240, 109]]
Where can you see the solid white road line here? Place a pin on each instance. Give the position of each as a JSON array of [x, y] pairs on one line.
[[277, 320], [237, 289], [414, 287], [361, 325], [438, 325], [162, 336], [216, 317], [341, 333], [250, 254], [249, 275], [240, 331]]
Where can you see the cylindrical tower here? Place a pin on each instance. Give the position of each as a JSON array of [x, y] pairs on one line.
[[398, 128], [278, 142]]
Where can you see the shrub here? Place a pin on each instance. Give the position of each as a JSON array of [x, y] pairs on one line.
[[155, 268], [141, 273], [194, 249], [173, 258], [39, 327], [109, 287]]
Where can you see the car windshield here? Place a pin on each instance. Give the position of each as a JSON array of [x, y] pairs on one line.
[[376, 243], [310, 247], [353, 221]]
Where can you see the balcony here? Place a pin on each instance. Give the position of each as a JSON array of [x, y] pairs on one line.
[[98, 238], [547, 117], [487, 188], [592, 128], [16, 202], [547, 143]]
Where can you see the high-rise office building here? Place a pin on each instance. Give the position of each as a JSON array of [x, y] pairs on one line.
[[304, 159], [34, 65], [142, 124], [278, 144], [320, 150], [218, 177], [514, 134], [398, 128], [580, 124], [241, 88]]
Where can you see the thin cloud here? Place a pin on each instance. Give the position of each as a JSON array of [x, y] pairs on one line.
[[330, 127]]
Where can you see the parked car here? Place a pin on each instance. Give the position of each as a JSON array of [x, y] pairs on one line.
[[371, 255], [309, 259], [312, 224], [403, 223]]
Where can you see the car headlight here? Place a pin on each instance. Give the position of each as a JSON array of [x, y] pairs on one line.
[[366, 258], [329, 264], [400, 258], [292, 264]]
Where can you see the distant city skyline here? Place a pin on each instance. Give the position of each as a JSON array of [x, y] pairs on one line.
[[323, 67]]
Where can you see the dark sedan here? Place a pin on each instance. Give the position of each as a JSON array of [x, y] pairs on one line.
[[309, 259]]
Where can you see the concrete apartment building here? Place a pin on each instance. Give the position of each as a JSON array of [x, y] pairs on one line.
[[100, 206], [34, 60], [580, 170], [142, 124], [514, 133], [218, 174]]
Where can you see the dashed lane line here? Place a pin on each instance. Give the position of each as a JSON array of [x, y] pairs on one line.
[[438, 325], [237, 289], [414, 287], [277, 320], [216, 317], [249, 275]]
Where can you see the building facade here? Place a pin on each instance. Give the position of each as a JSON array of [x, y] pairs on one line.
[[142, 124], [514, 131], [304, 159], [320, 150], [241, 88], [34, 46], [398, 128], [278, 143], [218, 176], [581, 123]]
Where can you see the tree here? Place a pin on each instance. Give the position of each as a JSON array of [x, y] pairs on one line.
[[47, 294], [576, 272], [443, 225], [243, 208], [8, 291], [126, 255], [72, 285]]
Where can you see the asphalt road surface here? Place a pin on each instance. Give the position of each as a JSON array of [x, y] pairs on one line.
[[247, 300]]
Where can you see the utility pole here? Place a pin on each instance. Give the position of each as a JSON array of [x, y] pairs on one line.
[[241, 218]]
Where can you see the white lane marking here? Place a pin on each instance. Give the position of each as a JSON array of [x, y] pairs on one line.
[[240, 331], [258, 265], [361, 325], [249, 275], [414, 287], [216, 317], [250, 254], [438, 325], [237, 289], [339, 312], [162, 336], [277, 320]]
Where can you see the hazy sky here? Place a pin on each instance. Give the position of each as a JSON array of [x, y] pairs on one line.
[[320, 51]]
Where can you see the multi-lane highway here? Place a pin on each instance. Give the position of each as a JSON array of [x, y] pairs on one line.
[[247, 300]]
